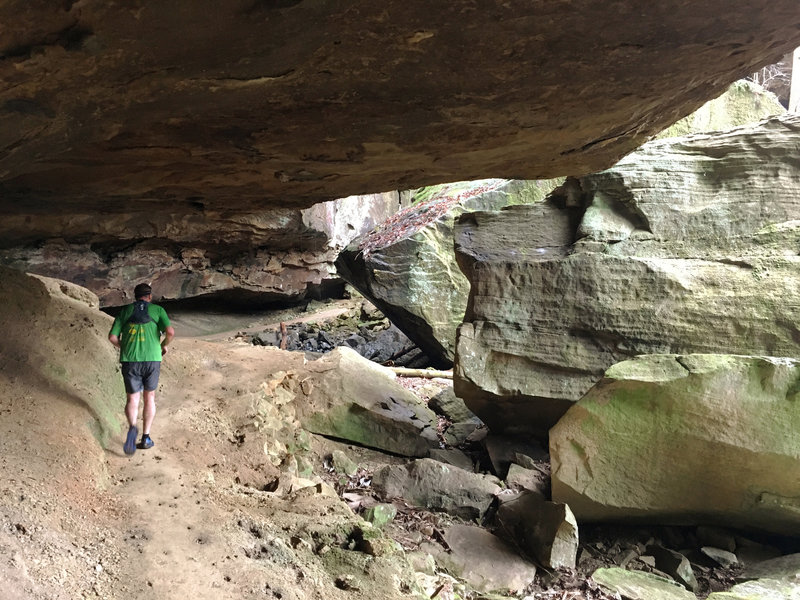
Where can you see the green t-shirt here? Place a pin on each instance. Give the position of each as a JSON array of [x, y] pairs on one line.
[[140, 342]]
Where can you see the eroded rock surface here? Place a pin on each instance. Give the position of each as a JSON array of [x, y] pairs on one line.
[[407, 268], [691, 439], [252, 103], [687, 245], [348, 397], [256, 257]]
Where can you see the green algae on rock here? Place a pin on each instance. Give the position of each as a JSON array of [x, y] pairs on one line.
[[685, 439]]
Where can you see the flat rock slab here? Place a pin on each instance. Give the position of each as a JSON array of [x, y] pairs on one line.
[[637, 585], [761, 589], [346, 396], [436, 486], [484, 560]]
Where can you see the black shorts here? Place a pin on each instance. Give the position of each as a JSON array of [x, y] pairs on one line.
[[140, 376]]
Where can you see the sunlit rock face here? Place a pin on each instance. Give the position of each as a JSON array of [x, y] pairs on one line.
[[239, 104], [407, 267], [687, 245]]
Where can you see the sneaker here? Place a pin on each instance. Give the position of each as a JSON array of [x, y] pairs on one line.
[[146, 442], [130, 441]]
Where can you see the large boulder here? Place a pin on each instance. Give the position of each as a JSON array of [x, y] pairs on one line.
[[685, 439], [407, 267], [687, 245], [348, 397], [57, 360]]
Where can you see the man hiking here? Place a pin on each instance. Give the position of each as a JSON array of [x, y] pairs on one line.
[[137, 332]]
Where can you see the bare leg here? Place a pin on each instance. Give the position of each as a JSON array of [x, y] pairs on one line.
[[149, 410], [132, 408]]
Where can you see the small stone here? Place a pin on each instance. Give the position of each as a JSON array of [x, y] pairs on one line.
[[624, 558], [342, 463], [527, 479], [345, 582], [722, 557], [650, 561], [674, 564], [458, 433], [380, 514]]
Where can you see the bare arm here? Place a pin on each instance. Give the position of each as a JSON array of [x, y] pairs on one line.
[[114, 339], [169, 333]]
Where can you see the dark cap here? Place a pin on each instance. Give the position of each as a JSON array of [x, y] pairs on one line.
[[142, 290]]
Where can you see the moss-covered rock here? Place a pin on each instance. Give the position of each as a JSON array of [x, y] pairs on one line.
[[690, 439], [637, 585], [407, 267], [687, 245], [345, 396]]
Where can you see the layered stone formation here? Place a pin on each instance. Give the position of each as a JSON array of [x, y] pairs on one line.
[[270, 255], [693, 439], [407, 268], [249, 103], [688, 245]]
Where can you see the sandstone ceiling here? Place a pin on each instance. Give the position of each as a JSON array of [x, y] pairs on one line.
[[265, 103]]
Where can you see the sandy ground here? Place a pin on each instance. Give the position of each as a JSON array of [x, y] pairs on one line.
[[185, 519]]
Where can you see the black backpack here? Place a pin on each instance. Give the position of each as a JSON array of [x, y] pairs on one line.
[[140, 314]]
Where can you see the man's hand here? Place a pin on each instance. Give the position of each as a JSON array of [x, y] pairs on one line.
[[163, 350]]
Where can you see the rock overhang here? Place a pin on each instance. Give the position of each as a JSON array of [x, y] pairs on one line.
[[252, 103]]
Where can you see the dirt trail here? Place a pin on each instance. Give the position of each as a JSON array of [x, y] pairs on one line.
[[183, 506], [189, 518], [170, 520]]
